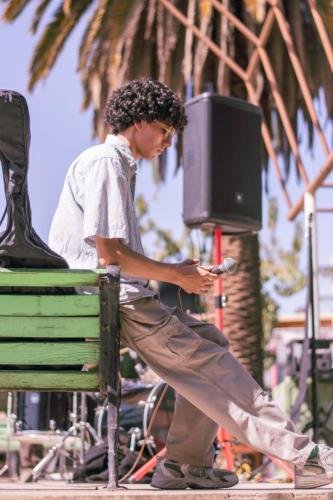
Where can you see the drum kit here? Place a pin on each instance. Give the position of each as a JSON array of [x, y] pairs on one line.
[[63, 426]]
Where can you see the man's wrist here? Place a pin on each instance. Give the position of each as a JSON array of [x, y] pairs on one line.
[[170, 273]]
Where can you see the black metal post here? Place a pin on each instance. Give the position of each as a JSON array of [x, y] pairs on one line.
[[109, 361]]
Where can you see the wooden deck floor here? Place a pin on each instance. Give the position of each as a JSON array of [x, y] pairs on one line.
[[56, 490]]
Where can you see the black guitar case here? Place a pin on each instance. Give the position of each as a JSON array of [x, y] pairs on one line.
[[20, 246]]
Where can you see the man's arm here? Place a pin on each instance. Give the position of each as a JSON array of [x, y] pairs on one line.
[[188, 275]]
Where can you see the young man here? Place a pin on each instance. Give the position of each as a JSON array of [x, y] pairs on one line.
[[95, 225]]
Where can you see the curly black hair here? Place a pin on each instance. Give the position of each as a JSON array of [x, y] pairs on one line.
[[144, 100]]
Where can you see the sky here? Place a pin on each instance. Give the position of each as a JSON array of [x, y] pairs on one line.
[[60, 131]]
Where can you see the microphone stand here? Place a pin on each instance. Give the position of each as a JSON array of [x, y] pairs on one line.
[[313, 303], [311, 311]]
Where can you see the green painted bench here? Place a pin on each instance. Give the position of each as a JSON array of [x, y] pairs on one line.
[[46, 339]]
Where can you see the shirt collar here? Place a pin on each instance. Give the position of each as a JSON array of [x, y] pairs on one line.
[[122, 148]]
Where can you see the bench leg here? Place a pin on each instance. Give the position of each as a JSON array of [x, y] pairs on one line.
[[109, 361], [112, 441]]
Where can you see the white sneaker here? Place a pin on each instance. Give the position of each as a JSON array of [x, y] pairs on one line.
[[316, 472]]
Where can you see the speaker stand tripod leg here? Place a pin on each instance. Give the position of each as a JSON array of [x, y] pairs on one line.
[[147, 467]]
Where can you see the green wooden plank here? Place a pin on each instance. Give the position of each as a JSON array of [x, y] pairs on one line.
[[48, 353], [48, 380], [49, 327], [49, 305], [49, 277]]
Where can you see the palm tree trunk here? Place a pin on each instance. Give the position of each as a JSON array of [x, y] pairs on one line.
[[243, 314]]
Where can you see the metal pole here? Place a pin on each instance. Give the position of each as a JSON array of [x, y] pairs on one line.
[[312, 323], [218, 282], [311, 232], [223, 436], [83, 419]]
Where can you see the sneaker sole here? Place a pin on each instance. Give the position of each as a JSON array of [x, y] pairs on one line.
[[168, 486], [174, 485], [306, 482]]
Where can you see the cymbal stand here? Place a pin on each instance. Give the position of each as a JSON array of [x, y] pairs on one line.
[[11, 464], [80, 428]]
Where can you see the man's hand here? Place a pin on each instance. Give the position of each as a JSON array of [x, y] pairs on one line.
[[194, 278], [189, 275]]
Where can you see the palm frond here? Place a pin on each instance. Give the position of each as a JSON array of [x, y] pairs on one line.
[[14, 9], [160, 31], [201, 51], [109, 55], [91, 32], [90, 56], [187, 62], [125, 43], [151, 13], [52, 40], [326, 10], [166, 40], [112, 38], [223, 74], [256, 8], [67, 7], [296, 27], [133, 38], [171, 48], [38, 14]]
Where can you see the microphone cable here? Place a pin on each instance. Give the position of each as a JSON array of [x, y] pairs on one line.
[[5, 211]]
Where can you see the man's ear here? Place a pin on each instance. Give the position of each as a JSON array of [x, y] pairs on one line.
[[138, 125]]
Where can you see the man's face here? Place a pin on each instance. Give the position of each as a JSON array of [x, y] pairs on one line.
[[151, 139]]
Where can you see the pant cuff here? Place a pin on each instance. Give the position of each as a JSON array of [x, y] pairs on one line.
[[195, 461]]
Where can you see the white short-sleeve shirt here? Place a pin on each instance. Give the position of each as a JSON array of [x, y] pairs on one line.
[[97, 199]]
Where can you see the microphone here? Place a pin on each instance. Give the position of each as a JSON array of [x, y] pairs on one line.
[[228, 266]]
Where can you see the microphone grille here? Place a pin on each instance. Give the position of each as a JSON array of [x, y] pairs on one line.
[[230, 265]]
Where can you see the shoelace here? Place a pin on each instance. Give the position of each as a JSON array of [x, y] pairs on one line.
[[324, 453]]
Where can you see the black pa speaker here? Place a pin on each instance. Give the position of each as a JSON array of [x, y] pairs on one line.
[[222, 164]]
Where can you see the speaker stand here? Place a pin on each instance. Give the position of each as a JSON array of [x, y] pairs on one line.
[[223, 436]]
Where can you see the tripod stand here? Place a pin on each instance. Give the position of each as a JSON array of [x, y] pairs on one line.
[[80, 429]]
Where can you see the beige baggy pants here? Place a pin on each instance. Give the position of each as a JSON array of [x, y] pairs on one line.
[[212, 388]]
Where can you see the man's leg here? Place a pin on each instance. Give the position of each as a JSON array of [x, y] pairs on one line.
[[211, 379], [192, 432], [191, 435]]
